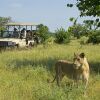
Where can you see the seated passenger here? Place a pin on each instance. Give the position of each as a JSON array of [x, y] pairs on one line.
[[15, 33]]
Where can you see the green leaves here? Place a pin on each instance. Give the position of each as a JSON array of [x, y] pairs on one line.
[[78, 30], [69, 5], [89, 8], [3, 21], [94, 37], [43, 32], [62, 36]]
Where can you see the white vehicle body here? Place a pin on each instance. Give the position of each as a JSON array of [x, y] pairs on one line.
[[16, 35], [19, 42]]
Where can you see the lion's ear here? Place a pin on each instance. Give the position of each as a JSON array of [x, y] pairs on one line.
[[82, 55]]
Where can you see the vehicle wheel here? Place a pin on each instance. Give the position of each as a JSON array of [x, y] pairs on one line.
[[17, 45]]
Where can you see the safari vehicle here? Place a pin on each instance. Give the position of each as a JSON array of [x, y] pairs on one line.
[[18, 34]]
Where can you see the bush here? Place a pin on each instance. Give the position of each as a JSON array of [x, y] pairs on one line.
[[44, 36], [83, 40], [62, 36], [48, 41], [43, 32], [78, 30], [94, 37]]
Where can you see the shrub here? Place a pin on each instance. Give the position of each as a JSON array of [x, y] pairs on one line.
[[62, 36], [48, 41], [44, 36], [43, 32], [78, 30], [83, 40], [94, 37]]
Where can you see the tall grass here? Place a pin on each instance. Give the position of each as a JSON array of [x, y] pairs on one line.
[[24, 73]]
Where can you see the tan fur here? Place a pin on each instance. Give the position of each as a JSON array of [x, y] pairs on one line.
[[78, 69]]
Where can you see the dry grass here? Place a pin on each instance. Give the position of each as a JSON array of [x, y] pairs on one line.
[[24, 73]]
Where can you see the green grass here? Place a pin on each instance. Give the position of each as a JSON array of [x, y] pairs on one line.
[[24, 73]]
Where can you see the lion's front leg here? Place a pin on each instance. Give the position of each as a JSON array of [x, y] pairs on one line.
[[85, 78]]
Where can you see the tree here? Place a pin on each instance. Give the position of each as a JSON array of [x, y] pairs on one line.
[[3, 21], [88, 8], [94, 37], [78, 30], [91, 24], [74, 20], [43, 32]]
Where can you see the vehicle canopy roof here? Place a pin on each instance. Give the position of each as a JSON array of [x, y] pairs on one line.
[[21, 24]]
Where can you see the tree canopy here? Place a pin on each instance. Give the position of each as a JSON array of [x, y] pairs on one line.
[[3, 21], [43, 31], [89, 8]]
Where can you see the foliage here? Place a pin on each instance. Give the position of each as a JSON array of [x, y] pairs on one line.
[[78, 30], [89, 8], [74, 20], [43, 32], [83, 40], [62, 36], [49, 42], [3, 21], [92, 24], [94, 37]]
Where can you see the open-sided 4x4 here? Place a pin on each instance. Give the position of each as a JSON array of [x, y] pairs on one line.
[[18, 34]]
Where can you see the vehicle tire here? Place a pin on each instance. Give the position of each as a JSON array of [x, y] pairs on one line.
[[17, 45]]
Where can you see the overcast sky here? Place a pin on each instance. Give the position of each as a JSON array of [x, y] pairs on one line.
[[53, 13]]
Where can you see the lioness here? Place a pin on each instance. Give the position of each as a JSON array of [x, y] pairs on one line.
[[78, 69]]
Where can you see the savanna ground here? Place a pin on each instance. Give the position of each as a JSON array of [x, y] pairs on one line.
[[24, 73]]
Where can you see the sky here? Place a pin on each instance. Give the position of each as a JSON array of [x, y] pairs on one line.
[[52, 13]]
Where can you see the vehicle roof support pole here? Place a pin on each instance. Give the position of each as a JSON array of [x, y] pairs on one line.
[[31, 27], [8, 29], [26, 27]]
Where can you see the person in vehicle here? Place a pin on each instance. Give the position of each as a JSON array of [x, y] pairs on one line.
[[23, 33], [15, 33]]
